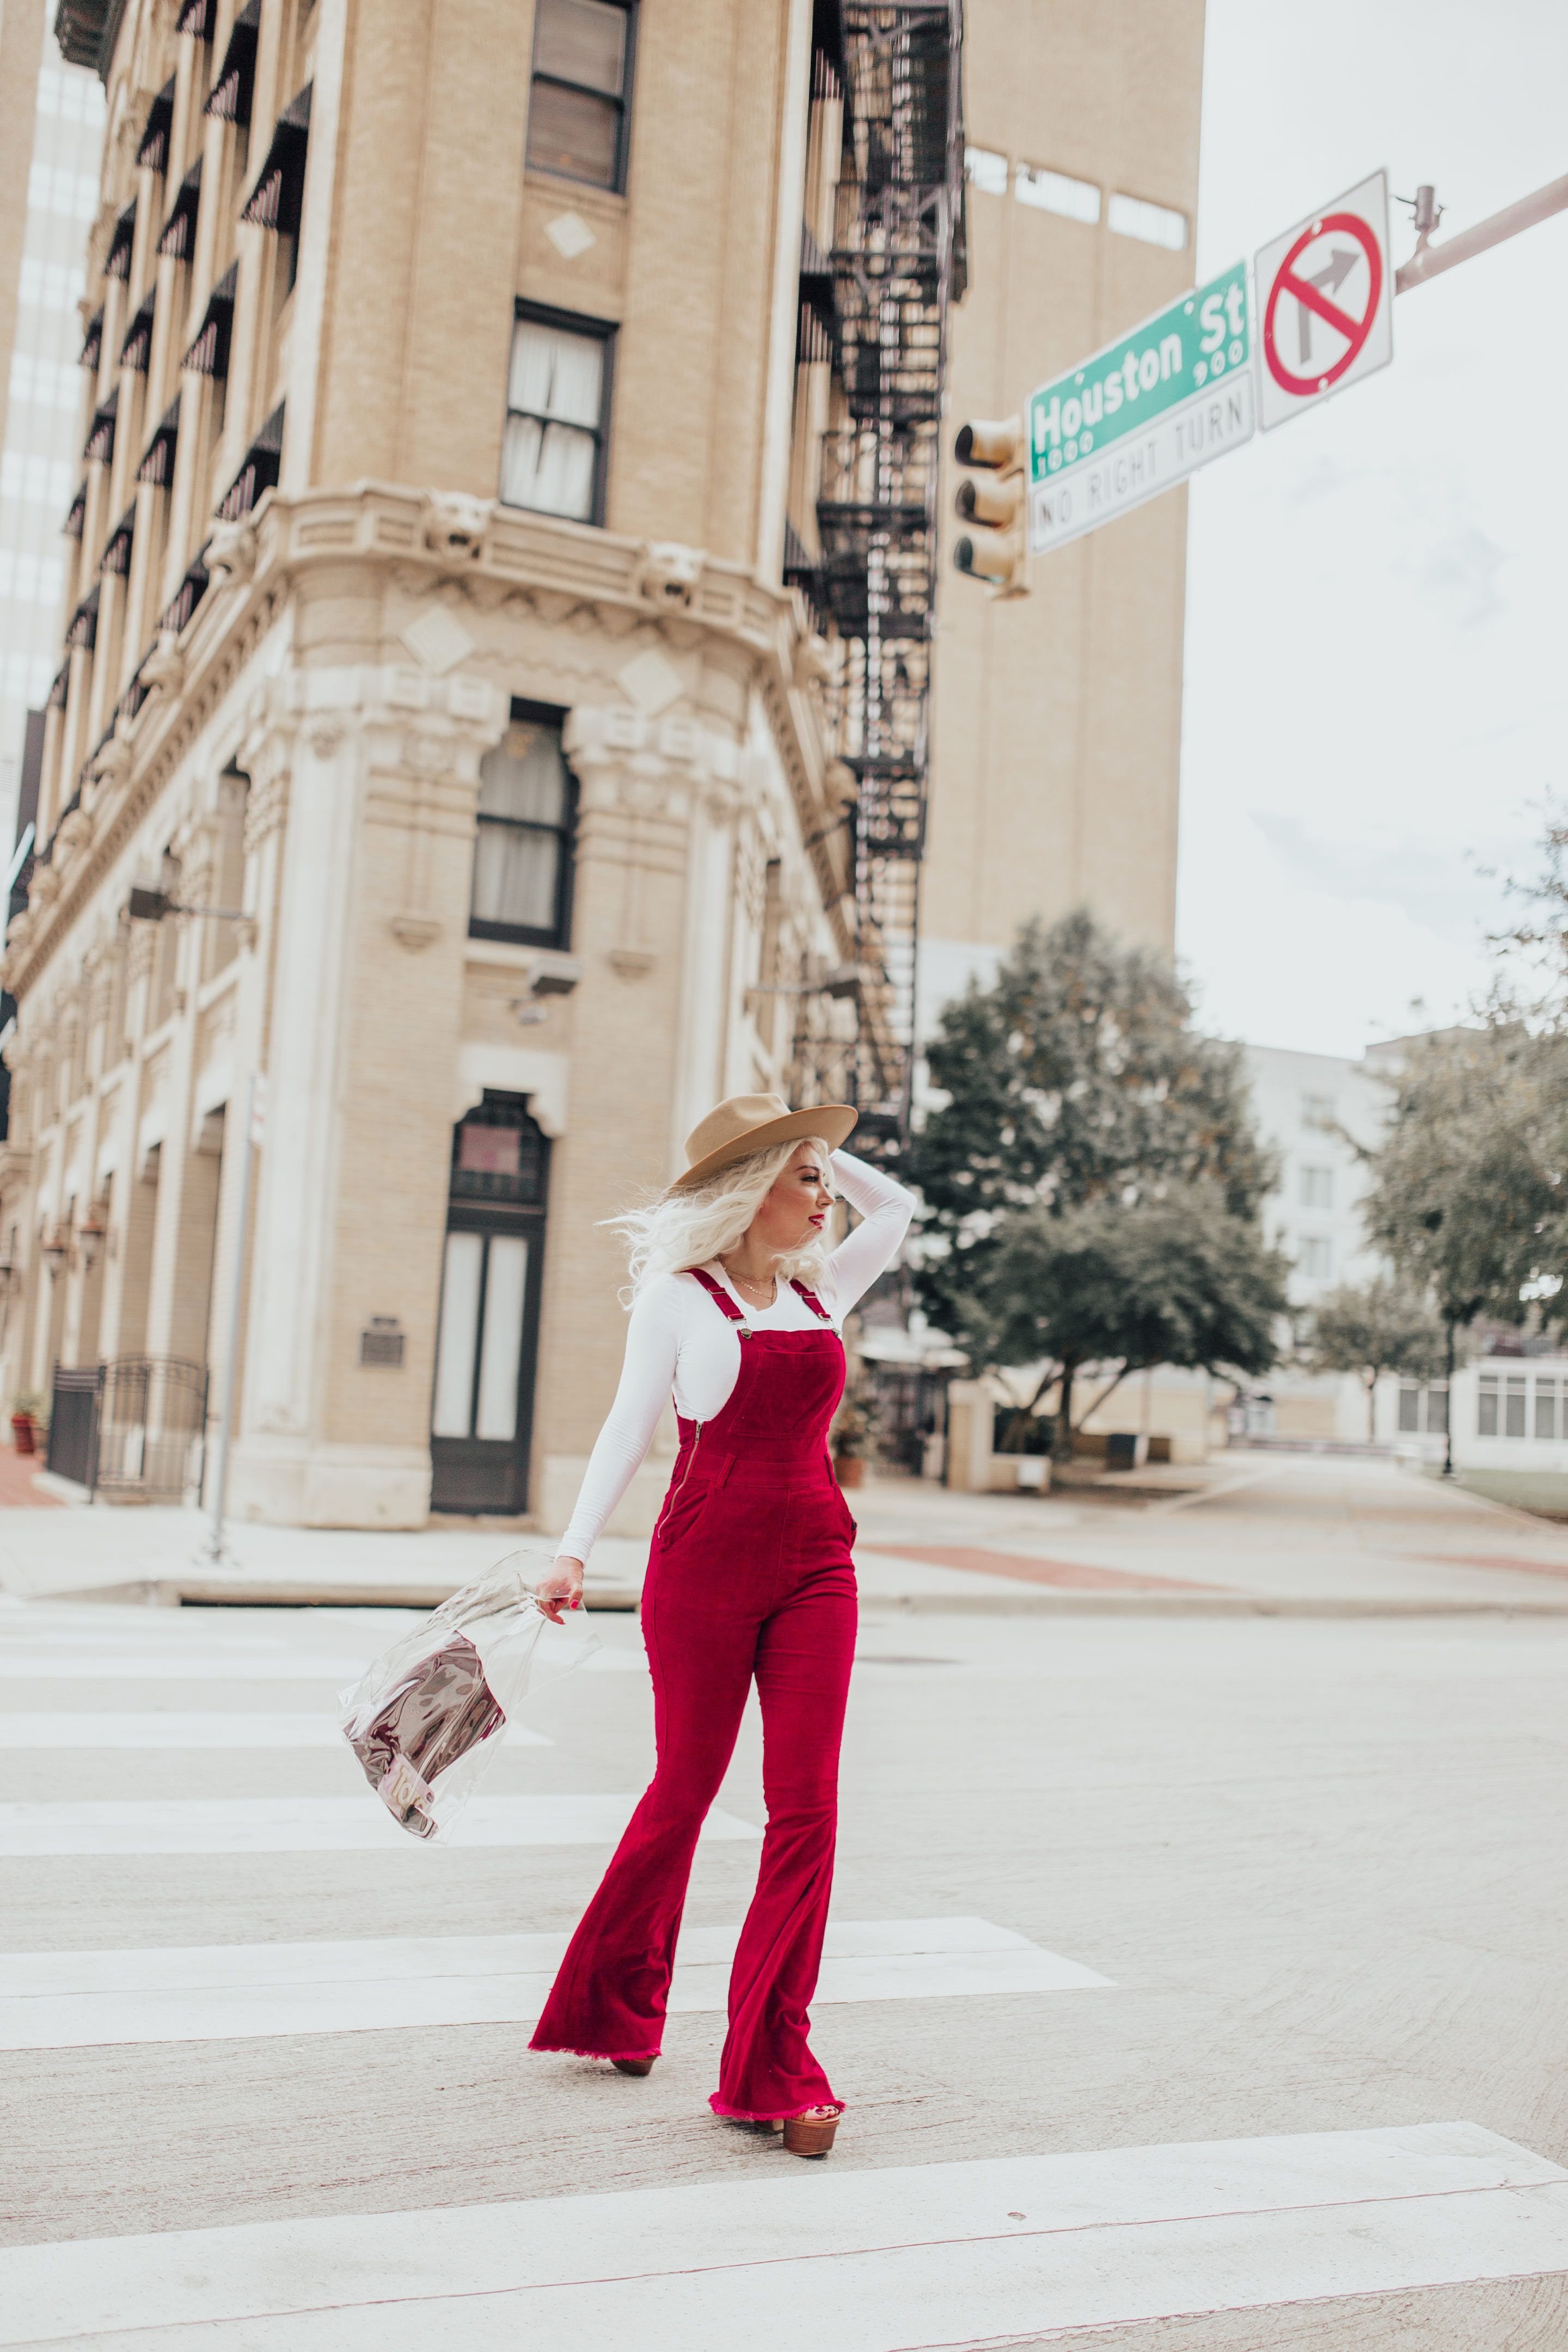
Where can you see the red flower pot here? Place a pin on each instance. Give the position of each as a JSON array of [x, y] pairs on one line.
[[22, 1433], [850, 1469]]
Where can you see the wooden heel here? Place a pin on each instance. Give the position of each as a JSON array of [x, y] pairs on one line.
[[632, 2065], [809, 2134]]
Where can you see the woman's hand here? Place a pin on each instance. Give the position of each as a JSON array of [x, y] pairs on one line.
[[561, 1589]]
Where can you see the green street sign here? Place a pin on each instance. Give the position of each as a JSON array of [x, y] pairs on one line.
[[1143, 413]]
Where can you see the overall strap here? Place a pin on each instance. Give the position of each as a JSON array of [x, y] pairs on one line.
[[812, 1300], [721, 1299]]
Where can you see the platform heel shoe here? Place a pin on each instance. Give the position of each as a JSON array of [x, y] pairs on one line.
[[632, 2065], [809, 2134]]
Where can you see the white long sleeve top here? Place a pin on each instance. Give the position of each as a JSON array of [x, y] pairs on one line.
[[678, 1343]]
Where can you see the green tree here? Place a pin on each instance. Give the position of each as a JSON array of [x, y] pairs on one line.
[[1177, 1279], [1379, 1327], [1078, 1077], [1466, 1196]]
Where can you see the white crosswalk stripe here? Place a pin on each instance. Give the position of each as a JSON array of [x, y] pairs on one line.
[[847, 2262], [312, 1824], [234, 1733], [216, 1992]]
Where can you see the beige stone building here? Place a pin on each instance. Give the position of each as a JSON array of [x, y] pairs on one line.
[[495, 712], [436, 736]]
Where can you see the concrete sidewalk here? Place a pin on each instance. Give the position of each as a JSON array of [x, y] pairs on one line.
[[1288, 1535]]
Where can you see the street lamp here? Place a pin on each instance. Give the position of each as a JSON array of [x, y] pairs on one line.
[[89, 1240], [54, 1252]]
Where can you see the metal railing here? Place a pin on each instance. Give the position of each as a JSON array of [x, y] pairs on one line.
[[134, 1429]]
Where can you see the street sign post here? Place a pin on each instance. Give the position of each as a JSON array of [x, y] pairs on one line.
[[1143, 413], [1325, 292]]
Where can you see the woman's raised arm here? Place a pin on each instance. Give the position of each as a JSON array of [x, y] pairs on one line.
[[885, 1211]]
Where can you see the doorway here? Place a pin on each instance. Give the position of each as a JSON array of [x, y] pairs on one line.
[[481, 1417]]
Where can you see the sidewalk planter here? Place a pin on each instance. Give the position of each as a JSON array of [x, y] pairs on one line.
[[22, 1433], [850, 1469]]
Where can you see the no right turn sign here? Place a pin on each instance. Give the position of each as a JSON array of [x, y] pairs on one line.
[[1325, 297]]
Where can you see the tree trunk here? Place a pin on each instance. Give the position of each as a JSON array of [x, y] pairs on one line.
[[1372, 1411], [1449, 1416], [1061, 1449]]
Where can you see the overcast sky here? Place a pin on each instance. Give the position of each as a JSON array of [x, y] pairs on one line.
[[1376, 659]]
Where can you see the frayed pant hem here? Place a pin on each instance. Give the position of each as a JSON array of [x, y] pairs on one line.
[[568, 2050], [773, 2114]]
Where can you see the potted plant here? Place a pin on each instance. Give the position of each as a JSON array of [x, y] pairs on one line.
[[27, 1416], [853, 1436]]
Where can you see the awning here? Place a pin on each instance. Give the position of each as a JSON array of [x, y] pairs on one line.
[[117, 261], [75, 520], [196, 18], [58, 689], [117, 555], [208, 356], [259, 471], [154, 149], [180, 228], [138, 341], [232, 85], [177, 615], [158, 464], [82, 634], [134, 696], [99, 445], [274, 201], [92, 346]]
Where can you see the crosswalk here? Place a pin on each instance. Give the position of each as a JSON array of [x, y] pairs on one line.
[[234, 1991], [313, 1825], [943, 2254], [101, 1728], [847, 2259]]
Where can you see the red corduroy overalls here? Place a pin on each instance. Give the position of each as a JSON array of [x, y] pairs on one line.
[[748, 1574]]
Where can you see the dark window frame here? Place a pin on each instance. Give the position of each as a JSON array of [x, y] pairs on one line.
[[617, 185], [603, 331], [535, 714]]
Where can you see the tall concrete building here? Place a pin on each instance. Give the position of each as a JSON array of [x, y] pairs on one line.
[[1057, 717], [496, 704]]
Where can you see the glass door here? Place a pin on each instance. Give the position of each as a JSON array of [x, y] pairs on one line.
[[481, 1413]]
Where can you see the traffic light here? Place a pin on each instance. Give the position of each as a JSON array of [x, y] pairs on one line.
[[995, 547]]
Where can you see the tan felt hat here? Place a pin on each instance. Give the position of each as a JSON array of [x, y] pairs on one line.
[[748, 1123]]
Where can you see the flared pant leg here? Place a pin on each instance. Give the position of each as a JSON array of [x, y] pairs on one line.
[[804, 1652], [608, 1998]]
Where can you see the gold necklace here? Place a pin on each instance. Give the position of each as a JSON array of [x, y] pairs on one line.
[[767, 1291]]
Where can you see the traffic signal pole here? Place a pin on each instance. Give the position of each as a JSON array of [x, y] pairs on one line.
[[1431, 260]]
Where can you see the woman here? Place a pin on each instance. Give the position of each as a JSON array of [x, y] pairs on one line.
[[737, 1309]]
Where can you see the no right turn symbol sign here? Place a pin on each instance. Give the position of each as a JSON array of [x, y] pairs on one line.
[[1325, 294]]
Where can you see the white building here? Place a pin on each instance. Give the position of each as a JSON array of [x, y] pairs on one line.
[[41, 256], [1307, 1107]]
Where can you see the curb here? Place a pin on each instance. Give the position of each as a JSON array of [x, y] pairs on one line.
[[206, 1592]]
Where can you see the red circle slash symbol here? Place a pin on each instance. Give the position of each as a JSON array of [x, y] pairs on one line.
[[1314, 298]]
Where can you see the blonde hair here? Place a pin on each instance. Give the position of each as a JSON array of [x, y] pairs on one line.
[[682, 1230]]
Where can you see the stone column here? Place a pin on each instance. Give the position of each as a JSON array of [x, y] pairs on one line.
[[367, 966]]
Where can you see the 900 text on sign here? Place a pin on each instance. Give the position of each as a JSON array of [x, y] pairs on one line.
[[1143, 413]]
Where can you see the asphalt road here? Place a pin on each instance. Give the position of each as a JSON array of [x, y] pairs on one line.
[[1319, 1861]]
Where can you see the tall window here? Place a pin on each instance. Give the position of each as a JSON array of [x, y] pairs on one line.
[[1317, 1188], [581, 81], [1316, 1259], [552, 457], [523, 858]]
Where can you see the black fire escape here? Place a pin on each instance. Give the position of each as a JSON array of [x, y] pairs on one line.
[[896, 263]]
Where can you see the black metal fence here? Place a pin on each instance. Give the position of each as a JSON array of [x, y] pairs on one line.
[[130, 1430]]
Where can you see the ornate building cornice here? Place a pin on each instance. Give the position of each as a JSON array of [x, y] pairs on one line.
[[491, 552]]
